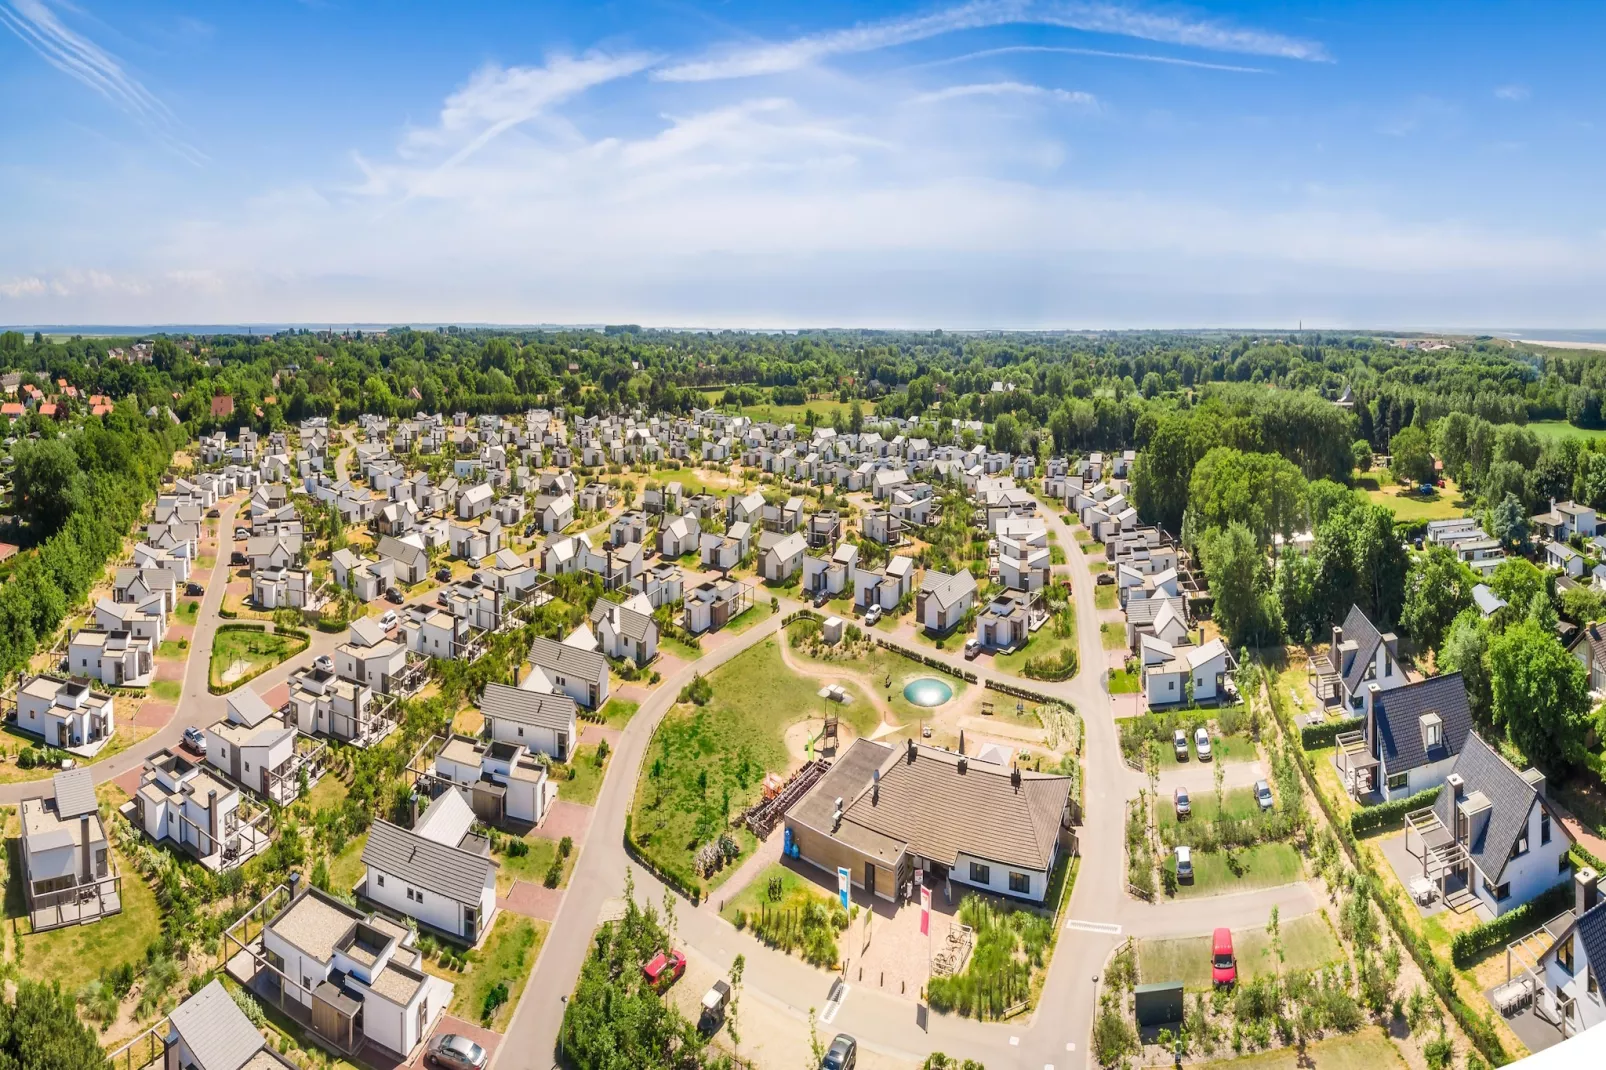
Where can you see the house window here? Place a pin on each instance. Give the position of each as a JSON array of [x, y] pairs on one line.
[[1564, 863], [379, 879], [1544, 827], [1397, 781], [247, 767], [521, 731], [1020, 883], [1170, 685], [1593, 985], [1564, 954], [1520, 848], [409, 895], [980, 874]]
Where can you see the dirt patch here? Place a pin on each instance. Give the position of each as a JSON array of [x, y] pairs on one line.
[[798, 735]]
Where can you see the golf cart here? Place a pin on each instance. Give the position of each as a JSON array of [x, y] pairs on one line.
[[715, 1000]]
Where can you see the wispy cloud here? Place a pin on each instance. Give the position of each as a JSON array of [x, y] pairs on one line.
[[800, 52], [81, 59], [1007, 89], [497, 99], [1512, 92], [1172, 29], [1100, 53]]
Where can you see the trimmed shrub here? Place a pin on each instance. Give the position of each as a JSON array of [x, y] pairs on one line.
[[1390, 814], [1314, 737], [1470, 943]]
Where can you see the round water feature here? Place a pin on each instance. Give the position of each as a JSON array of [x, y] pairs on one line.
[[927, 691]]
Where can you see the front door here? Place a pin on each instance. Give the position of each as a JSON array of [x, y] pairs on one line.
[[869, 878]]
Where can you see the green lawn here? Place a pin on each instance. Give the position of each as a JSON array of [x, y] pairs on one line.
[[329, 792], [796, 892], [166, 690], [1125, 682], [188, 610], [1368, 1049], [507, 958], [250, 652], [1239, 805], [579, 780], [683, 651], [76, 954], [1104, 596], [705, 763], [1265, 865], [757, 613], [1409, 506], [346, 868], [1227, 749], [173, 649], [1045, 642], [1561, 430], [881, 665], [1308, 942], [618, 711], [532, 866], [824, 409], [1114, 635]]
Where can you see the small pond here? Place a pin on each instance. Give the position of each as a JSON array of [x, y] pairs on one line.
[[928, 691]]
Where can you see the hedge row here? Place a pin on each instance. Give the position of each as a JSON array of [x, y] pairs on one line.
[[1438, 972], [1470, 943], [1391, 814], [1314, 737], [683, 882]]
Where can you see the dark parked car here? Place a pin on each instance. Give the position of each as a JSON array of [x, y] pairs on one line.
[[194, 590], [394, 597], [238, 558], [443, 574], [213, 513], [843, 1054], [1105, 579], [454, 1052]]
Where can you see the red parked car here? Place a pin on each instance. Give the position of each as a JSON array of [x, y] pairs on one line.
[[664, 968], [1223, 966]]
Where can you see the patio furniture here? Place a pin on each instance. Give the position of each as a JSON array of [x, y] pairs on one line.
[[1422, 890]]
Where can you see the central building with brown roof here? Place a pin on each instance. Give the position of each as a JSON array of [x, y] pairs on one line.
[[883, 810]]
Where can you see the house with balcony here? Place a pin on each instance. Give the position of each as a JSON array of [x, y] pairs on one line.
[[1564, 520], [883, 527], [254, 746], [502, 782], [371, 657], [366, 578], [67, 713], [712, 605], [116, 659], [1023, 566], [323, 704], [283, 588], [1183, 672], [1006, 622], [68, 876], [884, 587], [829, 573], [1567, 976], [1358, 656], [179, 803], [1490, 839], [143, 620]]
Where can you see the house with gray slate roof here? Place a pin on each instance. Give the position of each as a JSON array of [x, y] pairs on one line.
[[1490, 834], [1572, 970], [209, 1031], [439, 872]]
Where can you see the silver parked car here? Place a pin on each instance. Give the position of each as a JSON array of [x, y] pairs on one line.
[[454, 1052]]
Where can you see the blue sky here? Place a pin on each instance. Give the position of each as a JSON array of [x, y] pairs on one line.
[[991, 163]]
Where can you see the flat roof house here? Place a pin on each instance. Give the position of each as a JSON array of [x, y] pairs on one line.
[[254, 746], [68, 876], [883, 810], [181, 803], [67, 713]]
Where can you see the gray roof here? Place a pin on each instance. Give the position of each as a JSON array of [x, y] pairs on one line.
[[457, 874], [633, 623], [1141, 611], [1591, 927], [1511, 799], [215, 1030], [75, 793], [390, 546], [1358, 629], [502, 702], [948, 590], [1399, 715], [551, 654]]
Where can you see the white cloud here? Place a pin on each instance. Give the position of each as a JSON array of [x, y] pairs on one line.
[[81, 59], [1143, 57], [800, 52], [1512, 92], [1001, 89]]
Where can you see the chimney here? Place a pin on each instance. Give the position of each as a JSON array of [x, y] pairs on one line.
[[911, 751], [1586, 891], [87, 847], [295, 883], [875, 787], [1535, 779], [961, 743], [211, 816], [1372, 691], [1014, 778], [964, 765], [1457, 786]]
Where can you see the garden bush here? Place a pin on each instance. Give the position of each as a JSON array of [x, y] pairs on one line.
[[1314, 737], [1468, 944], [1390, 814]]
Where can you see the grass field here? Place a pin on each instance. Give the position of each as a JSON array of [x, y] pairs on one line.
[[880, 665], [238, 654], [759, 612], [1440, 505], [1308, 942], [823, 409], [166, 690], [1104, 597], [1228, 749], [531, 867], [507, 958], [76, 954], [1114, 635], [1240, 805], [1369, 1049], [1265, 865], [188, 610], [346, 868], [706, 762], [1125, 682], [618, 712], [1045, 642], [579, 780], [796, 891], [1561, 430]]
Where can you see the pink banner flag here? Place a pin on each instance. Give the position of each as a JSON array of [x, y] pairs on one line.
[[925, 909]]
